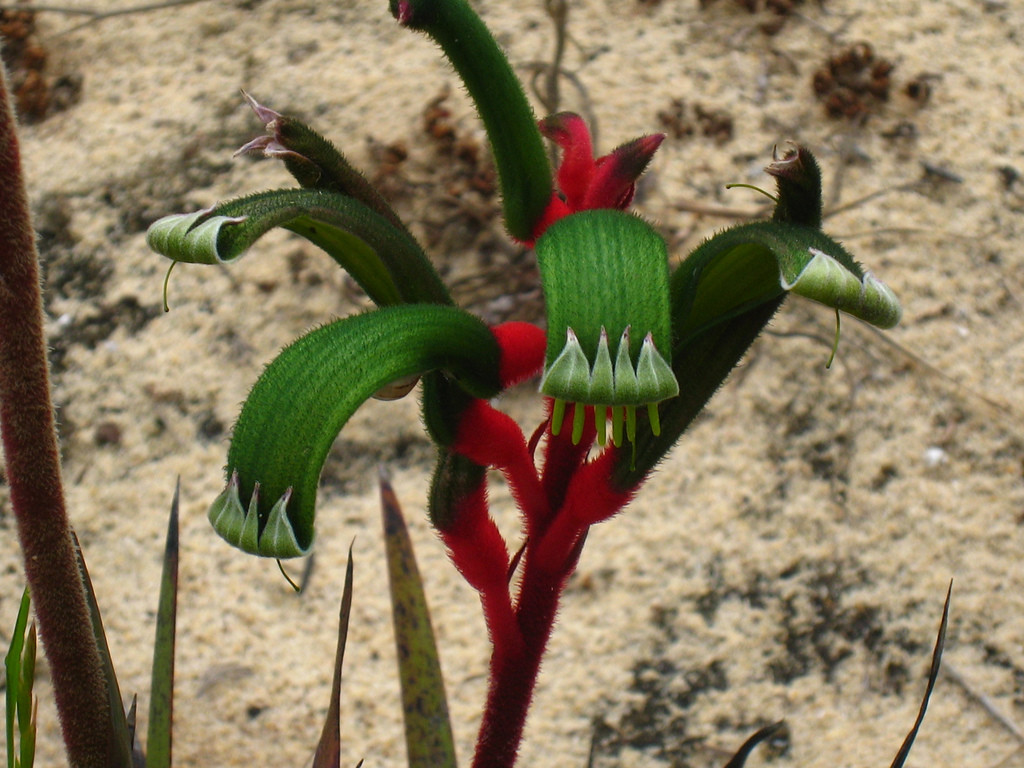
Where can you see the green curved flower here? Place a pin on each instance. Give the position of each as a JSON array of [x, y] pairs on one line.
[[630, 340], [605, 279], [307, 394]]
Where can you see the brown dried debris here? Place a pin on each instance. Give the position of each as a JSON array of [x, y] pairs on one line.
[[681, 122], [35, 95], [26, 61], [776, 11], [853, 82]]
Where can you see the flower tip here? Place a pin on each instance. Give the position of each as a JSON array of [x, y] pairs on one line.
[[565, 129], [259, 144], [651, 142], [614, 183], [798, 179], [786, 164], [633, 157], [266, 115], [402, 11]]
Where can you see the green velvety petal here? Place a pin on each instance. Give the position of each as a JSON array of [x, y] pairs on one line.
[[305, 397], [605, 278], [751, 264], [384, 259]]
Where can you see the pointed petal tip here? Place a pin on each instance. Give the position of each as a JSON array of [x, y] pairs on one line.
[[790, 164], [402, 11], [259, 144], [630, 159], [614, 182], [266, 115], [564, 128]]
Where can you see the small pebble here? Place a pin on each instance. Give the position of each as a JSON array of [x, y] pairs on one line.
[[934, 456], [107, 433]]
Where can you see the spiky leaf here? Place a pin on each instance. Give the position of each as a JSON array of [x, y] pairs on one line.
[[428, 731]]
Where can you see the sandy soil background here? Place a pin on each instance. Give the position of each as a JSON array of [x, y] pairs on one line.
[[789, 560]]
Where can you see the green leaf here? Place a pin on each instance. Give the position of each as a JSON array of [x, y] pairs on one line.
[[384, 259], [305, 397], [523, 168], [120, 733], [428, 730], [161, 703], [19, 665]]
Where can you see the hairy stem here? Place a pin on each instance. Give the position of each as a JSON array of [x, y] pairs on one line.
[[34, 477], [514, 675]]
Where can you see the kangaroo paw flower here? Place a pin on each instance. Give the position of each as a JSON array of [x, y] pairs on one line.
[[605, 276], [585, 182]]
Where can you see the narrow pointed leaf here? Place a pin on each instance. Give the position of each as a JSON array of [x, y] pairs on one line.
[[19, 684], [740, 758], [933, 675], [27, 702], [161, 703], [428, 731], [120, 735], [328, 750], [384, 259], [306, 395]]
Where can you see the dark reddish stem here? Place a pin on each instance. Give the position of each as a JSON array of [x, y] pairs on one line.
[[549, 560], [513, 677], [34, 477]]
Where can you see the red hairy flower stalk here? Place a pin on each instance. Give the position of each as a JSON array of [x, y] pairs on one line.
[[558, 508], [34, 477]]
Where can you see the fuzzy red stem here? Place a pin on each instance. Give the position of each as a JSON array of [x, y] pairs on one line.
[[549, 561], [479, 552], [33, 473], [590, 499], [491, 438], [514, 677], [562, 459]]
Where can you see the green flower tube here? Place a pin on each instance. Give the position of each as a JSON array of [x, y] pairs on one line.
[[606, 283]]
